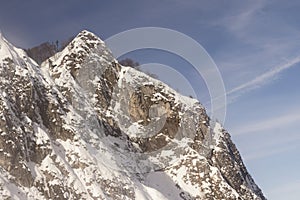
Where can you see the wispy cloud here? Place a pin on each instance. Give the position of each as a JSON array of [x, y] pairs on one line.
[[273, 136], [265, 77], [238, 23], [262, 45], [284, 191], [269, 124], [257, 82], [269, 152]]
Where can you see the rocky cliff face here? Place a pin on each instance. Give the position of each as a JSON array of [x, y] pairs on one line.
[[81, 126]]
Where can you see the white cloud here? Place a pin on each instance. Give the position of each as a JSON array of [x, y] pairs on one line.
[[265, 77], [238, 23], [262, 45], [285, 191], [257, 82], [269, 124], [268, 152]]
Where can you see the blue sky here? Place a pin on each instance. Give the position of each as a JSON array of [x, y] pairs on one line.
[[255, 44]]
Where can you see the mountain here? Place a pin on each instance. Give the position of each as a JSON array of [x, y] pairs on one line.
[[41, 52], [81, 126]]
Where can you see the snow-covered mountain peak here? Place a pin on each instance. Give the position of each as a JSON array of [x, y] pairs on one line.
[[9, 54], [1, 40], [1, 37], [88, 37], [85, 47], [82, 126], [7, 50], [85, 42]]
